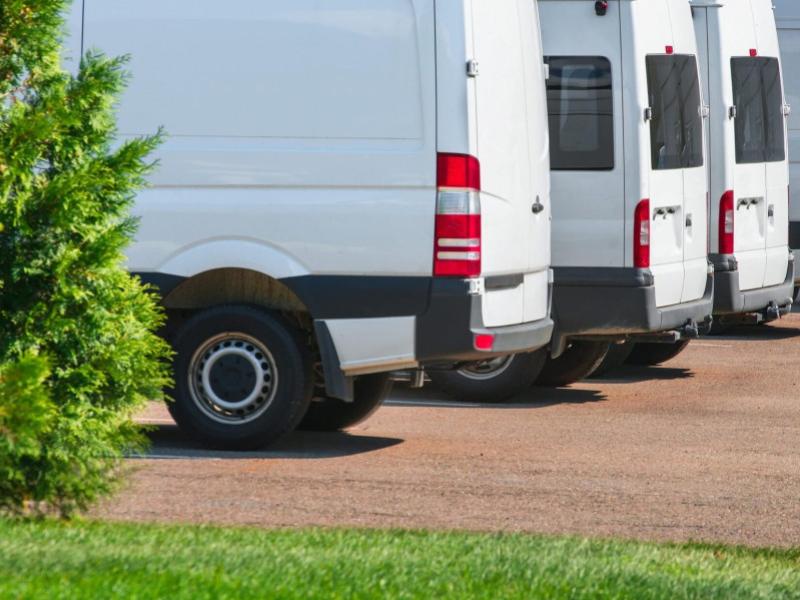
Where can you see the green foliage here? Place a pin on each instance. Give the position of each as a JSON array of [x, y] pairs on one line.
[[91, 560], [66, 190]]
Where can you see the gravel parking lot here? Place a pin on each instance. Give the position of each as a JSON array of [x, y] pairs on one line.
[[706, 448]]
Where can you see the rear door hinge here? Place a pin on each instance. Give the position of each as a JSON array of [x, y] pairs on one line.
[[473, 68]]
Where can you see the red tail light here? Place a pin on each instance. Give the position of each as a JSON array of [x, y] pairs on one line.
[[726, 223], [641, 235], [458, 171], [457, 243]]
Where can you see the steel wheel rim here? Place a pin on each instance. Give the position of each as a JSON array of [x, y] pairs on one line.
[[233, 378], [487, 369]]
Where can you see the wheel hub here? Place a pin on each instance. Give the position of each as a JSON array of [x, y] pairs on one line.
[[233, 378], [487, 369]]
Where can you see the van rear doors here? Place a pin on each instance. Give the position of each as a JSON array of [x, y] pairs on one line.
[[511, 126], [664, 32], [749, 180]]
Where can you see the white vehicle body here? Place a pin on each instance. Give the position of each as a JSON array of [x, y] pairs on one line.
[[379, 166], [629, 208], [787, 16], [740, 62]]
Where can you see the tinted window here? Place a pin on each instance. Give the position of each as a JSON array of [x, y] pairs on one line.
[[758, 98], [580, 109], [676, 128]]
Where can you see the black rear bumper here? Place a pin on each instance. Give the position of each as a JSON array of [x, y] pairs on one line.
[[446, 331], [794, 244], [618, 301], [730, 300]]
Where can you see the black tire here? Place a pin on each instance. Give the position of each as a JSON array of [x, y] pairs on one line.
[[332, 414], [579, 360], [718, 327], [512, 376], [243, 377], [615, 358], [650, 355]]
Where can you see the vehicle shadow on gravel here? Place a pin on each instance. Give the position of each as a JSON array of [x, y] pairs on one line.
[[630, 374], [169, 443], [755, 333], [537, 397]]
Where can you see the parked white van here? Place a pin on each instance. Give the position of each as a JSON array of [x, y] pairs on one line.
[[741, 68], [787, 14], [347, 188], [629, 183]]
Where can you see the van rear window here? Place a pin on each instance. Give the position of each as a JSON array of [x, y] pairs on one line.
[[676, 127], [581, 114], [758, 98]]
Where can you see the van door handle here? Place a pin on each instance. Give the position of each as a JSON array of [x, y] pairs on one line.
[[664, 211], [771, 211], [689, 220], [537, 206], [747, 203]]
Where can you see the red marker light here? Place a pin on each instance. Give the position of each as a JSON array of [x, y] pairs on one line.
[[753, 52], [670, 49], [484, 342]]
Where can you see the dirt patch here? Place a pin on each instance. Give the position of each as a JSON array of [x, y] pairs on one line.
[[706, 448]]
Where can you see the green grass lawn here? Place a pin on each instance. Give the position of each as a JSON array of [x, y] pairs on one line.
[[96, 560]]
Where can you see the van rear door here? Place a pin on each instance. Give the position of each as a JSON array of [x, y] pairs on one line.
[[513, 153], [777, 167], [760, 144], [678, 244]]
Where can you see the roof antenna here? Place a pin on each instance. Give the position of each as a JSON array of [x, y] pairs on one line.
[[601, 8]]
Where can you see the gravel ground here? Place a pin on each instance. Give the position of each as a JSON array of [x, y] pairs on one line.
[[705, 448]]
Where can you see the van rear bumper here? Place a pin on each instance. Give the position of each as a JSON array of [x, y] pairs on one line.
[[618, 301], [730, 300], [445, 332]]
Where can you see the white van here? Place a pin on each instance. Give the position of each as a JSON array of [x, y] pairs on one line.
[[787, 15], [629, 184], [347, 187], [741, 68]]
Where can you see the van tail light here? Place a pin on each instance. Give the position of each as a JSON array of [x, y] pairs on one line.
[[457, 242], [726, 223], [641, 235]]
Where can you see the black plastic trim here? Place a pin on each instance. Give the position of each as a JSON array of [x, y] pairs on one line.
[[445, 332], [501, 282], [602, 277], [794, 235], [337, 384], [162, 282], [730, 300], [356, 297], [723, 262], [610, 303]]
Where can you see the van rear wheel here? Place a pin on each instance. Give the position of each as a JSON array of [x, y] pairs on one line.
[[242, 377], [332, 414], [615, 359], [650, 355], [494, 380], [579, 360]]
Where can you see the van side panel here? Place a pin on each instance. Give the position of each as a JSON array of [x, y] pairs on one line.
[[302, 133], [337, 117]]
